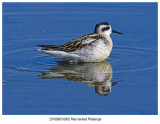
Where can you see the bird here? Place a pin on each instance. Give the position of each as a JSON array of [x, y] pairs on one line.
[[93, 47]]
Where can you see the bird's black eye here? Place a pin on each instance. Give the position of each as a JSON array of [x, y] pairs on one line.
[[105, 28]]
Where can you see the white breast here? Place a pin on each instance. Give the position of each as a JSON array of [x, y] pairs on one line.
[[97, 51]]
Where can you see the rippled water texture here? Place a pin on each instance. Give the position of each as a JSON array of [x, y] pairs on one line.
[[35, 83]]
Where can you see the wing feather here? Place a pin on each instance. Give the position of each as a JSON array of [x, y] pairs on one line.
[[74, 44]]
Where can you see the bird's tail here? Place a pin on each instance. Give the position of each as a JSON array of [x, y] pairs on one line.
[[52, 47]]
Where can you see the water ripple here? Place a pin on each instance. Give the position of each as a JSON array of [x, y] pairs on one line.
[[123, 59]]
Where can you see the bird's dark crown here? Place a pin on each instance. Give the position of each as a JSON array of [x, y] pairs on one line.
[[102, 23]]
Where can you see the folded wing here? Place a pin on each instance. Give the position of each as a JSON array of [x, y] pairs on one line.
[[74, 44]]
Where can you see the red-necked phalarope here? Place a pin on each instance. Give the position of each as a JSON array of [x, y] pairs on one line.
[[92, 47]]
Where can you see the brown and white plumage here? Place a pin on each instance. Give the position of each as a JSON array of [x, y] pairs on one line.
[[74, 44], [92, 47]]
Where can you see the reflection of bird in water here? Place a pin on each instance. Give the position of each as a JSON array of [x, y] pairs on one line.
[[92, 47], [98, 75]]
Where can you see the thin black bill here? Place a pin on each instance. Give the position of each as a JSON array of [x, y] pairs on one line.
[[113, 31]]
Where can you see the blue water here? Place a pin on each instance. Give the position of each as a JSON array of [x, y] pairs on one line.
[[36, 84]]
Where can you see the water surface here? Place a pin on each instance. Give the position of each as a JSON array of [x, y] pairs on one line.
[[35, 83]]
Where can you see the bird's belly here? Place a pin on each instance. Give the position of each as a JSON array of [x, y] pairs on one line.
[[100, 58], [95, 53]]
